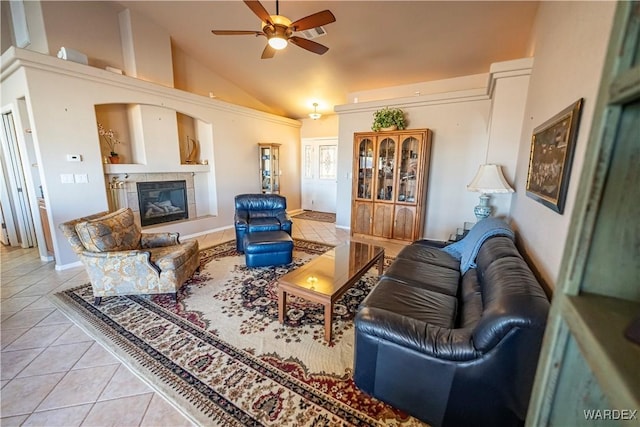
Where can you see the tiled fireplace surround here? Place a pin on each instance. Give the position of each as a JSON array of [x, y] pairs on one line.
[[126, 193]]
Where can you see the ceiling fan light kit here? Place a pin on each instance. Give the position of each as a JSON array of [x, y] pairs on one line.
[[278, 43], [279, 29], [277, 32]]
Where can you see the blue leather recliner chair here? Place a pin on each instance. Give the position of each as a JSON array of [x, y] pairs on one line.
[[260, 212]]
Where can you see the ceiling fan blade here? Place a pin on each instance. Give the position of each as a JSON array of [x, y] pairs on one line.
[[259, 10], [312, 21], [236, 33], [310, 45], [268, 52]]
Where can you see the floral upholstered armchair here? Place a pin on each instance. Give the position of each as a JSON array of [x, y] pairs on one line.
[[120, 260]]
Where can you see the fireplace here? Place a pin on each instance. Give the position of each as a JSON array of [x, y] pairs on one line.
[[162, 201]]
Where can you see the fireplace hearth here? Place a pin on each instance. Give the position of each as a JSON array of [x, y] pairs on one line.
[[162, 201]]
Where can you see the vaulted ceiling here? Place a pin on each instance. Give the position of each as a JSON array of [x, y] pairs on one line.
[[372, 44]]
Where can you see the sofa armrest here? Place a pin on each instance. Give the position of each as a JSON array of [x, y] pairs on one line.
[[432, 243], [283, 217], [118, 261], [156, 240], [241, 219], [433, 341]]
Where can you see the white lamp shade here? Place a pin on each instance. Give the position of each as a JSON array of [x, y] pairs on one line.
[[490, 179]]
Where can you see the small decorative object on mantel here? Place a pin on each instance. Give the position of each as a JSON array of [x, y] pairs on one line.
[[193, 151], [73, 55], [109, 137], [388, 119], [552, 147]]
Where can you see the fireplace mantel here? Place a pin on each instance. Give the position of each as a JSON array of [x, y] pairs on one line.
[[138, 168]]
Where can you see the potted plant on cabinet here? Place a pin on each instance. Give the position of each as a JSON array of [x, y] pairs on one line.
[[388, 119], [109, 137]]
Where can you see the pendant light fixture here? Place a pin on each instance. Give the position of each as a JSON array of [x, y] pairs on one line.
[[315, 115]]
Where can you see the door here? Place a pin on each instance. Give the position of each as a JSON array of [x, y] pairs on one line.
[[4, 234], [319, 174], [18, 201], [361, 221], [404, 223], [383, 220]]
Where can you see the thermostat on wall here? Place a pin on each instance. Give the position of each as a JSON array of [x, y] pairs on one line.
[[74, 158]]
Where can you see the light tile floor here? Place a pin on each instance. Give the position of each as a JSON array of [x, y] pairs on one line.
[[53, 374]]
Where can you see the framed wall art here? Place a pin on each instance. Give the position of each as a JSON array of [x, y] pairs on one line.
[[551, 155]]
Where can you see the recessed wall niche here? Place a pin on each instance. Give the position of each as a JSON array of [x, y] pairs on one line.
[[189, 143], [115, 117], [141, 127]]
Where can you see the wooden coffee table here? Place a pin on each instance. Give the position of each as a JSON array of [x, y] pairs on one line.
[[326, 278]]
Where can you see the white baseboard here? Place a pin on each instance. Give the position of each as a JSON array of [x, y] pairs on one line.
[[62, 267], [202, 233]]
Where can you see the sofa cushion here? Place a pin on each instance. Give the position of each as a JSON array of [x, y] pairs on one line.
[[267, 242], [466, 250], [256, 203], [423, 253], [470, 307], [269, 213], [173, 257], [263, 224], [512, 298], [116, 231], [424, 305], [495, 248], [69, 230], [424, 275]]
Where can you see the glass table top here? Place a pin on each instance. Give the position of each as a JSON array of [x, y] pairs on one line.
[[332, 271]]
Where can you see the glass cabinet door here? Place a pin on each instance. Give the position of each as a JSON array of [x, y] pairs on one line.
[[265, 168], [385, 169], [270, 168], [365, 169], [275, 169], [407, 174]]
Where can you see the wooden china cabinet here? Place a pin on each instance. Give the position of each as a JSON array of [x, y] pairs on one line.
[[390, 172]]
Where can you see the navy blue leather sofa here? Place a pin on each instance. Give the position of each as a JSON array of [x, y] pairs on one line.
[[260, 212], [452, 349]]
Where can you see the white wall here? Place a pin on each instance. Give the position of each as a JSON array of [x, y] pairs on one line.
[[325, 127], [570, 41], [146, 49], [83, 26], [193, 76]]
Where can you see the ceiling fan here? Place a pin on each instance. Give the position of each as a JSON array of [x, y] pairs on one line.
[[279, 30]]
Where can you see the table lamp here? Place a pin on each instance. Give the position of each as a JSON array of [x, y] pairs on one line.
[[489, 179]]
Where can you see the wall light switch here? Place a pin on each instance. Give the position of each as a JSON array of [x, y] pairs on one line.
[[81, 178], [67, 178], [74, 158]]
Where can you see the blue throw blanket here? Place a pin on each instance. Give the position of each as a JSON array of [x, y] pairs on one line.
[[466, 250]]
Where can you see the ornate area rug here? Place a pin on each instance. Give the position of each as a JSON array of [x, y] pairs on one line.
[[221, 356], [317, 216]]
